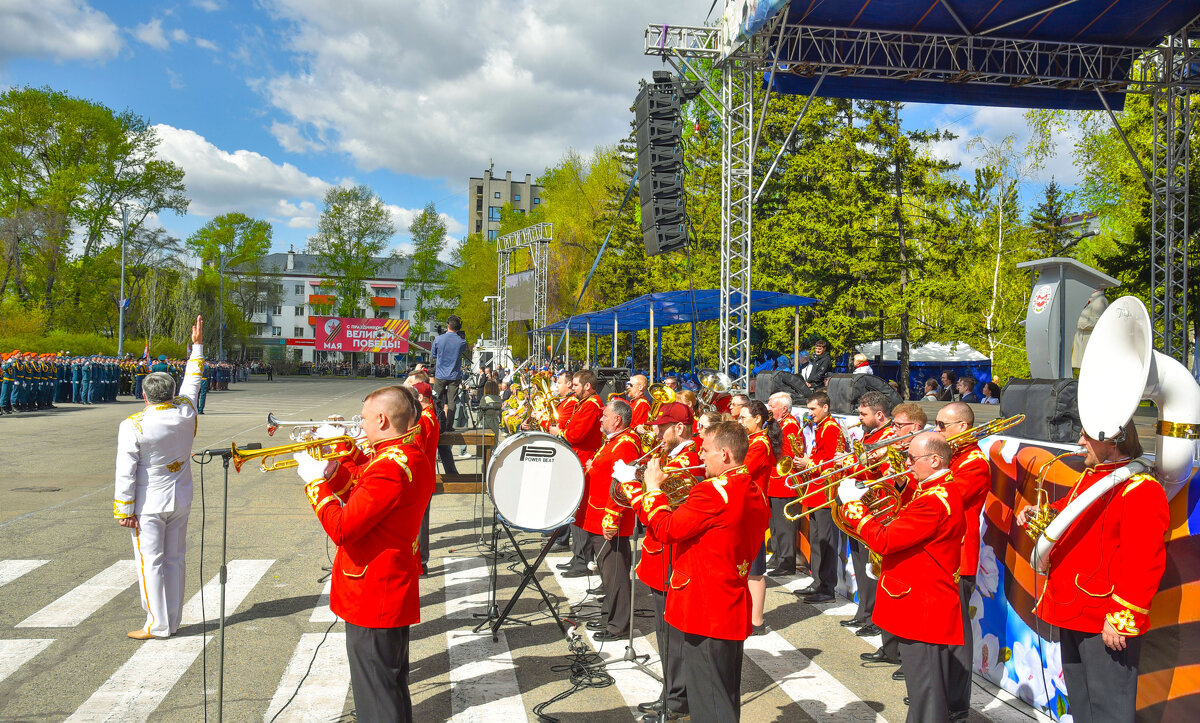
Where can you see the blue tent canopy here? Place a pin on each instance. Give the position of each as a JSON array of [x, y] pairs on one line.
[[1019, 53], [671, 307]]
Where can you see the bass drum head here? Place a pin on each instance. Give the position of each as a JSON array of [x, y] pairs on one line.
[[535, 481]]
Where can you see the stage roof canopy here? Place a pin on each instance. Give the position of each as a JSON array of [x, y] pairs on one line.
[[672, 307], [1019, 53]]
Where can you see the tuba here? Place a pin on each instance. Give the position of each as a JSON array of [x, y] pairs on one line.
[[712, 384], [1121, 350], [659, 395]]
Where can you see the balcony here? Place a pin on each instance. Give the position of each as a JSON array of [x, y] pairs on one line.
[[383, 301], [321, 298]]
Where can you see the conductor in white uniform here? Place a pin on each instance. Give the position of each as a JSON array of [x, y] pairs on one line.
[[154, 488]]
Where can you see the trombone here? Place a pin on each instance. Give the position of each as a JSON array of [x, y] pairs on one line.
[[978, 432], [875, 505], [352, 427]]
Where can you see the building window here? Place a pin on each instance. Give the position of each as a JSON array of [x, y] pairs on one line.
[[517, 197], [300, 310], [479, 190], [404, 293], [478, 226], [382, 315], [385, 292], [299, 289], [298, 332], [537, 201], [401, 314], [276, 331], [277, 311], [493, 213], [479, 204], [492, 234]]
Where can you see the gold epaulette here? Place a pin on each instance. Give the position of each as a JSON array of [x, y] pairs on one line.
[[940, 492], [136, 418], [1136, 480]]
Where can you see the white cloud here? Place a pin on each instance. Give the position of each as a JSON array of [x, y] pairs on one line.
[[403, 218], [207, 5], [425, 90], [993, 125], [220, 181], [151, 33], [174, 79], [58, 29], [179, 35], [206, 44]]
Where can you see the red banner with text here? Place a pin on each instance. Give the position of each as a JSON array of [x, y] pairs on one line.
[[364, 335]]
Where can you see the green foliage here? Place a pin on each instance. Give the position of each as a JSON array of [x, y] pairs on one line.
[[470, 278], [352, 234], [425, 271]]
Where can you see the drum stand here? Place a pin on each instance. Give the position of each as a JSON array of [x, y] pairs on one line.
[[528, 577], [493, 611]]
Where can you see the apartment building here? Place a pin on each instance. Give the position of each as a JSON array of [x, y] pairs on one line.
[[487, 195]]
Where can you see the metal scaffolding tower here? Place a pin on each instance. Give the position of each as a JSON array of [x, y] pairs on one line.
[[537, 239], [1168, 73]]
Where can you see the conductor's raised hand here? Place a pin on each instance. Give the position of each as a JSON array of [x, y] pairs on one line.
[[198, 331]]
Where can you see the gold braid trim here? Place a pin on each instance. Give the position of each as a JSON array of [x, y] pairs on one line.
[[1125, 603], [1122, 620]]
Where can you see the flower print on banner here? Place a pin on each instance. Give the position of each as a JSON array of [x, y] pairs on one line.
[[987, 577], [989, 658], [1034, 684], [1054, 671]]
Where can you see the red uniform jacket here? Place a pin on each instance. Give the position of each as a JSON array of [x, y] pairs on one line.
[[583, 430], [919, 570], [793, 446], [562, 414], [829, 443], [760, 459], [973, 475], [641, 412], [597, 509], [652, 565], [716, 533], [377, 567], [1109, 562], [427, 438]]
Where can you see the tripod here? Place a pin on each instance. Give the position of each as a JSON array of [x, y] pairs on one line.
[[631, 655], [493, 610], [528, 577]]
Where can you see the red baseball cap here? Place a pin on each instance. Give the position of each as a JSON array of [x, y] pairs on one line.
[[423, 389], [673, 413]]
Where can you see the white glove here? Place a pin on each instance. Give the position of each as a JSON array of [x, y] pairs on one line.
[[328, 431], [623, 471], [311, 469]]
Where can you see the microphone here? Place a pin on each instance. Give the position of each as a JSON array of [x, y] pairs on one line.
[[226, 451]]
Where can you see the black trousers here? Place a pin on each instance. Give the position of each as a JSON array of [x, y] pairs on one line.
[[891, 645], [962, 657], [823, 537], [614, 561], [1102, 683], [423, 536], [860, 555], [670, 646], [783, 536], [713, 668], [926, 674], [584, 548], [451, 399], [379, 673]]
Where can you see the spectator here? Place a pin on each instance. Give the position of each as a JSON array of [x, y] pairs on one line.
[[966, 390], [820, 365], [931, 391], [489, 407], [949, 394], [448, 350], [991, 393], [861, 365]]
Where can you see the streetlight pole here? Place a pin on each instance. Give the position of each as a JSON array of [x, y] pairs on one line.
[[121, 302], [221, 267]]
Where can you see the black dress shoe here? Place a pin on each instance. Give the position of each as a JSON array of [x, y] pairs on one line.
[[595, 591], [671, 715], [818, 597], [898, 675], [869, 630], [563, 566], [878, 657], [906, 700], [852, 623], [808, 590], [653, 706], [575, 573], [596, 625], [605, 636], [781, 572]]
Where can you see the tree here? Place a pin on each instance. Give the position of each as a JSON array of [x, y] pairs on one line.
[[425, 273], [471, 277], [229, 245], [352, 234], [1047, 235]]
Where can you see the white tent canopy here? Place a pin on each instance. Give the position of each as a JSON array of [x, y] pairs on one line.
[[931, 352]]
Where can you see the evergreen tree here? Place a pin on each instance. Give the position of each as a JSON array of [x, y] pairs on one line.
[[1047, 235]]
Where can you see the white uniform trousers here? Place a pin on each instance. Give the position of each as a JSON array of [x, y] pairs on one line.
[[159, 549]]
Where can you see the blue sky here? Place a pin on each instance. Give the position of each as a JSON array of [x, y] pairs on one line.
[[266, 103]]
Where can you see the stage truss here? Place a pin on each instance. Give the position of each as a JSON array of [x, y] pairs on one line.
[[537, 239], [1167, 73]]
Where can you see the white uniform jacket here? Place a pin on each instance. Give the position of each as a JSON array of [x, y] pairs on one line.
[[154, 449]]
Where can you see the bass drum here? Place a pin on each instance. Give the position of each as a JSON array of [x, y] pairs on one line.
[[535, 481]]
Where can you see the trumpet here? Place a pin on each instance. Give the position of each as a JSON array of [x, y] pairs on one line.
[[353, 426], [974, 434], [1043, 513], [320, 449], [677, 486]]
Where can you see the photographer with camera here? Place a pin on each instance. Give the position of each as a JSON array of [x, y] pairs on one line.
[[448, 350]]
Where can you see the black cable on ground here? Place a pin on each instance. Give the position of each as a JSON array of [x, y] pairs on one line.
[[584, 673]]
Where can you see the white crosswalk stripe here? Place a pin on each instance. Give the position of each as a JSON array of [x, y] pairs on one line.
[[635, 685], [817, 692], [321, 613], [12, 569], [75, 606], [317, 680], [130, 694], [483, 680], [839, 606], [15, 653]]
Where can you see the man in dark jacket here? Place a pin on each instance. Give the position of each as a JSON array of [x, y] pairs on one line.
[[820, 365]]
